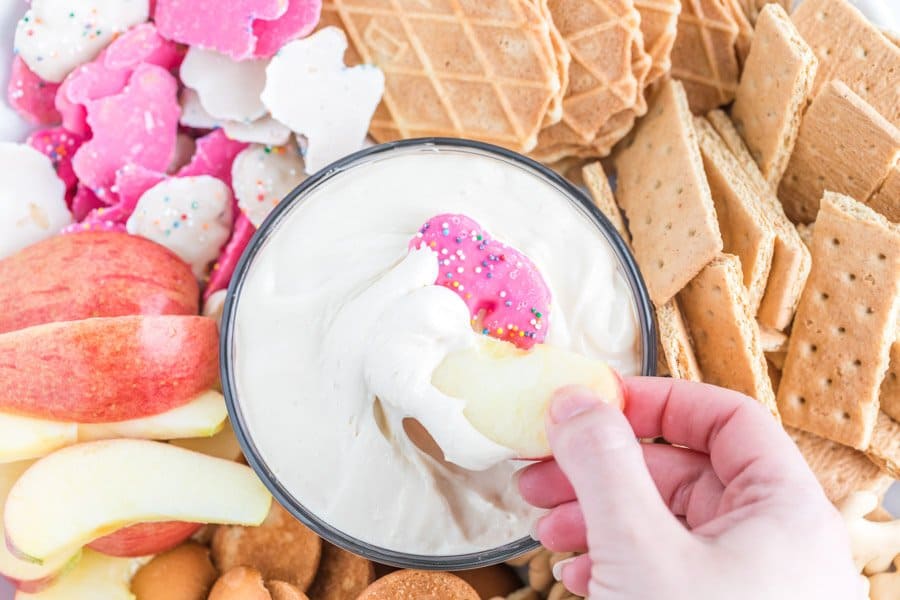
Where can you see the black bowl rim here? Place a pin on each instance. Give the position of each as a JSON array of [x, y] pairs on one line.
[[643, 307]]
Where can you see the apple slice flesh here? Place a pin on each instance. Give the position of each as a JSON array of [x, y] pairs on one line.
[[23, 438], [204, 416], [107, 369], [25, 575], [508, 391], [95, 576], [111, 484], [222, 445]]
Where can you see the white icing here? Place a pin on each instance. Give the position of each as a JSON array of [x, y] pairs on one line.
[[262, 175], [227, 89], [309, 89], [55, 36], [191, 216], [265, 130], [335, 311], [32, 198]]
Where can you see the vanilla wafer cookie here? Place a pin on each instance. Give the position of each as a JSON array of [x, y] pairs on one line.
[[747, 231], [487, 71], [726, 337], [841, 470], [774, 87], [703, 56], [852, 49], [884, 449], [840, 342], [674, 191], [844, 146], [890, 387], [887, 199], [790, 261]]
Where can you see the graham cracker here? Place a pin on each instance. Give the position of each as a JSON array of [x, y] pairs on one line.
[[597, 183], [890, 387], [674, 191], [884, 449], [852, 49], [840, 470], [726, 337], [747, 231], [845, 324], [844, 146], [774, 374], [703, 56], [487, 71], [772, 341], [659, 26], [887, 199], [776, 359], [805, 231], [776, 82], [790, 261]]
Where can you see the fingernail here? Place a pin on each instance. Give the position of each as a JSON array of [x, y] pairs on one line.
[[558, 567], [571, 401], [534, 530]]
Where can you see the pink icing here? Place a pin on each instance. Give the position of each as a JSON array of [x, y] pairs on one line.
[[31, 96], [83, 202], [231, 32], [59, 145], [142, 44], [213, 156], [298, 21], [138, 125], [222, 271], [504, 291], [131, 183]]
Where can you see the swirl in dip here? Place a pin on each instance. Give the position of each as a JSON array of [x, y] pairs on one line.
[[339, 327]]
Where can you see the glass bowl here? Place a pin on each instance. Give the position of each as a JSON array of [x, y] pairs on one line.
[[626, 265]]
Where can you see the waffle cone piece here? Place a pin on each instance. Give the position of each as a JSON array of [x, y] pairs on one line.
[[659, 26], [486, 70], [704, 57]]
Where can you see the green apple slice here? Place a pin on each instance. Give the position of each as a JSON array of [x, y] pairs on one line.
[[508, 390], [88, 490], [95, 576], [203, 416]]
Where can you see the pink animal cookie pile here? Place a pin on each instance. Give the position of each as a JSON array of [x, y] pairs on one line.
[[111, 124]]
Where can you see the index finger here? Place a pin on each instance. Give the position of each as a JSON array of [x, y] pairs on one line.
[[738, 433]]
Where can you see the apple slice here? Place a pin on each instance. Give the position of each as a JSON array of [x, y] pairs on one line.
[[86, 491], [145, 539], [95, 576], [22, 438], [202, 417], [25, 575], [107, 369], [508, 390], [222, 445], [93, 274]]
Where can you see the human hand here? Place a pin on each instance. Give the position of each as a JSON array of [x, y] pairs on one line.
[[730, 511]]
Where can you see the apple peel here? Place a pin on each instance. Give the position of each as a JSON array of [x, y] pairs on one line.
[[145, 539], [506, 295], [310, 90], [508, 390], [32, 97], [114, 483]]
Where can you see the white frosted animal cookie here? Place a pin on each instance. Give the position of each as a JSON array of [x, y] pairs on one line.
[[227, 89], [55, 36], [266, 131], [192, 112], [32, 198], [309, 89], [191, 216], [262, 175]]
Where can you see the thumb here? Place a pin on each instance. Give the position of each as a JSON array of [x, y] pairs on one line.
[[595, 447]]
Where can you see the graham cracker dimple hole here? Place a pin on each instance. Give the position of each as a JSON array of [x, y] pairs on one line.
[[660, 263], [824, 296], [881, 256], [648, 220], [851, 276], [813, 348], [657, 184], [857, 363], [842, 330], [828, 381], [835, 242], [692, 233], [845, 416], [800, 400], [668, 226]]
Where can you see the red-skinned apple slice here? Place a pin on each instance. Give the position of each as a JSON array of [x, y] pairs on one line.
[[95, 576], [508, 390], [24, 575], [111, 484], [145, 539], [24, 438], [107, 369], [93, 274]]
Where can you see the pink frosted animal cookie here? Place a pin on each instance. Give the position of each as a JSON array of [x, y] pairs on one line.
[[31, 96], [59, 145], [298, 21], [138, 125], [213, 156], [506, 294], [83, 202], [231, 32], [223, 269]]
